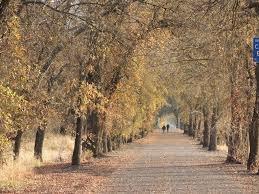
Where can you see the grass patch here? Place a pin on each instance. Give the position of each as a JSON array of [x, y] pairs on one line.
[[56, 148]]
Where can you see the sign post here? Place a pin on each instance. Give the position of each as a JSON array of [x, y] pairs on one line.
[[256, 49]]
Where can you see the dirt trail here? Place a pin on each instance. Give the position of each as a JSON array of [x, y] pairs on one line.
[[173, 163], [161, 163]]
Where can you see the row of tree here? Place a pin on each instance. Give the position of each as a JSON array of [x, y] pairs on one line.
[[218, 95], [75, 62], [107, 66]]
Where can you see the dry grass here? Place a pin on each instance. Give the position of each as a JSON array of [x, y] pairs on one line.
[[223, 148], [56, 148]]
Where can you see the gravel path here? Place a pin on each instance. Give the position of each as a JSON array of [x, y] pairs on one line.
[[174, 163], [160, 163]]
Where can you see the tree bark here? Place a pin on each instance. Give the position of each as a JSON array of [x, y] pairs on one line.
[[119, 141], [130, 139], [199, 128], [190, 129], [17, 144], [213, 132], [98, 129], [194, 134], [185, 128], [114, 143], [180, 124], [206, 132], [236, 144], [105, 142], [177, 115], [109, 143], [90, 121], [76, 157], [142, 133], [40, 134], [253, 160]]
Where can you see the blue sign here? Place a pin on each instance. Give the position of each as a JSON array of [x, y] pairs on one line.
[[256, 49]]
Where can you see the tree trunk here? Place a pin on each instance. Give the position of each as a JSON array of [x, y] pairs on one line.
[[185, 128], [119, 141], [253, 161], [199, 129], [206, 131], [105, 142], [90, 120], [17, 144], [40, 134], [114, 142], [177, 120], [130, 140], [180, 124], [109, 143], [236, 147], [142, 133], [114, 145], [213, 132], [252, 83], [190, 129], [123, 140], [98, 129], [195, 127], [77, 147]]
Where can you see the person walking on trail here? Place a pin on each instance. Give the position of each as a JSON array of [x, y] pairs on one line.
[[167, 128], [163, 128]]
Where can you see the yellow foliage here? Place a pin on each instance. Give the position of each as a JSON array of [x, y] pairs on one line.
[[91, 97], [19, 70], [136, 101], [3, 143], [12, 109]]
